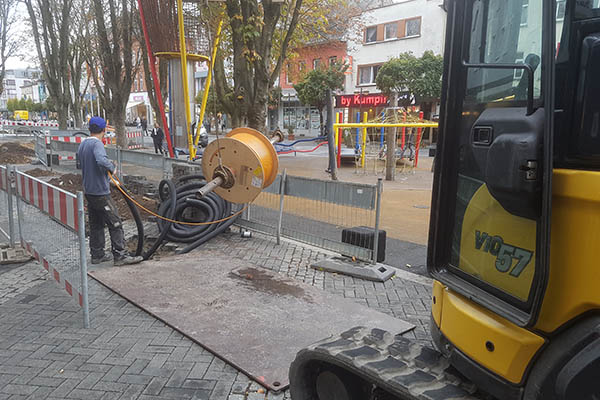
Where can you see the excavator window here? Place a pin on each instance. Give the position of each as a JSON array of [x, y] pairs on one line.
[[499, 35], [489, 233]]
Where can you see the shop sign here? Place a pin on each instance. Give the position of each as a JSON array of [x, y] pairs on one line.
[[361, 100]]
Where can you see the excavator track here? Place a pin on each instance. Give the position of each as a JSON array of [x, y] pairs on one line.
[[389, 367]]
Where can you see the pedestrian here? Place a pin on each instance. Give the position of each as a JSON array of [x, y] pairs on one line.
[[138, 122], [207, 124], [145, 126], [95, 167], [157, 137]]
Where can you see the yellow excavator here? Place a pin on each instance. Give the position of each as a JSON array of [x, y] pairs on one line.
[[514, 234]]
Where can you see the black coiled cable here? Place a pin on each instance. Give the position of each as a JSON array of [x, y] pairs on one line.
[[185, 207]]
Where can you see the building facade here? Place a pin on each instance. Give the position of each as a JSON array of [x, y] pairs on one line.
[[390, 29], [413, 26], [22, 83], [290, 115]]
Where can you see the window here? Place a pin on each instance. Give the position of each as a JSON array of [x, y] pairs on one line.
[[302, 67], [524, 12], [316, 63], [9, 82], [332, 60], [496, 38], [371, 34], [560, 9], [585, 9], [288, 73], [391, 31], [413, 27], [367, 74]]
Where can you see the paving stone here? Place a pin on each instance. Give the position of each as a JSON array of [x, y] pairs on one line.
[[129, 354]]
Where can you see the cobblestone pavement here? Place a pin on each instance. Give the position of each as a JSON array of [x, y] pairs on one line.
[[128, 354]]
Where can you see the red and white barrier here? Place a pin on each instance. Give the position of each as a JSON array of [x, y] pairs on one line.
[[54, 273], [134, 134], [41, 124], [67, 158], [57, 203], [72, 139]]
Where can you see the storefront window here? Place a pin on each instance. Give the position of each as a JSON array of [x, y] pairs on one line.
[[300, 118]]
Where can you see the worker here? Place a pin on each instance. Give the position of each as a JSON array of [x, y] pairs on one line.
[[95, 167]]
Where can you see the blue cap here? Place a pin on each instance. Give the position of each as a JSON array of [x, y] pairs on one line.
[[96, 124]]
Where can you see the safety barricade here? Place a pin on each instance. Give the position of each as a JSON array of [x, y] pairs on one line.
[[135, 139], [316, 211], [72, 139], [52, 229], [39, 124]]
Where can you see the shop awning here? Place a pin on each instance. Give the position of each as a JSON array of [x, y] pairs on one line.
[[134, 104]]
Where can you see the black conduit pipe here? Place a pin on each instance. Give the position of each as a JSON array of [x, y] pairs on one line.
[[177, 207]]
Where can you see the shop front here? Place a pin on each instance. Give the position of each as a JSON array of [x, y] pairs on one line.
[[298, 119]]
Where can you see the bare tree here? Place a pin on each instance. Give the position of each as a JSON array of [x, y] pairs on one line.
[[116, 57], [50, 23], [8, 42], [79, 46]]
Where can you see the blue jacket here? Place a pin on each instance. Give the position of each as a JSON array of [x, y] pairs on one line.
[[94, 166]]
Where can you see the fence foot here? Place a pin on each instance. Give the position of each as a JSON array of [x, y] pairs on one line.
[[13, 255], [364, 270]]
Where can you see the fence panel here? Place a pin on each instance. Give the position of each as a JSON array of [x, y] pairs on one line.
[[40, 148], [52, 230], [7, 212], [314, 211]]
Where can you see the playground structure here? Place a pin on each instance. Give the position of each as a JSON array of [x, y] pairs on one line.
[[360, 141], [179, 36]]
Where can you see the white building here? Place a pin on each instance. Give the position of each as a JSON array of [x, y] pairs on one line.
[[15, 80], [407, 26]]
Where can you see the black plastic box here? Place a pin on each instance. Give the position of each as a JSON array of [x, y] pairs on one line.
[[362, 236]]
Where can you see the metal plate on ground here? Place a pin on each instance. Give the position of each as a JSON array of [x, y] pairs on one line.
[[255, 319]]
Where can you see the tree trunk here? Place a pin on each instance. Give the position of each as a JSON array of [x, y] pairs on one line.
[[321, 125], [119, 123], [77, 115], [257, 118], [236, 120], [390, 166], [62, 118], [391, 140]]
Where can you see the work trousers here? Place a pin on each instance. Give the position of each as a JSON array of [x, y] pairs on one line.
[[157, 146], [102, 211]]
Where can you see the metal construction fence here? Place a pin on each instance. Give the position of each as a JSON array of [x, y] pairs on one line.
[[40, 148], [316, 211], [50, 225], [8, 214], [124, 159], [309, 210]]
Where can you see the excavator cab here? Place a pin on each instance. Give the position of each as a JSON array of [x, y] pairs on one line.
[[514, 227], [520, 125]]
